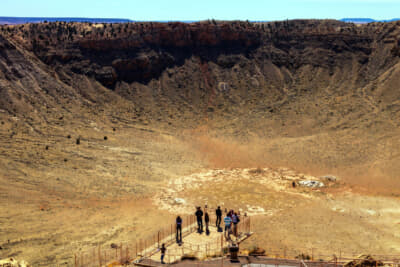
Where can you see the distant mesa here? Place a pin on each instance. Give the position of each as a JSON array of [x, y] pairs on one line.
[[366, 20]]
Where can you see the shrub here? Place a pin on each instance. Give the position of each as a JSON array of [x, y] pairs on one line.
[[105, 137], [256, 171], [303, 256], [78, 141], [191, 257]]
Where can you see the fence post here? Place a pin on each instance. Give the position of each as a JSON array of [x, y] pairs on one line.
[[158, 239], [99, 256], [312, 254], [120, 259], [75, 260]]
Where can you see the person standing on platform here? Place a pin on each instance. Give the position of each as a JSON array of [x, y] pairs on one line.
[[179, 230], [199, 216], [235, 221], [163, 249], [218, 212], [228, 223]]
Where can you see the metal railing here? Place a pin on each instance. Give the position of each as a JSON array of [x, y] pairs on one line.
[[137, 250]]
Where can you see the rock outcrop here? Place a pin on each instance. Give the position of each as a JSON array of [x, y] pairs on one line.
[[264, 64]]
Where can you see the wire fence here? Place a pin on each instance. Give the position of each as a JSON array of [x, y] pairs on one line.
[[124, 253], [314, 254], [211, 249], [145, 252], [261, 261]]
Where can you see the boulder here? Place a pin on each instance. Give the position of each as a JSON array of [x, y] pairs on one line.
[[179, 201], [311, 183], [329, 178], [11, 262], [364, 260]]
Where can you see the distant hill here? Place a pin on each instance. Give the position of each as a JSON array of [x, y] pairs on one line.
[[22, 20], [365, 20]]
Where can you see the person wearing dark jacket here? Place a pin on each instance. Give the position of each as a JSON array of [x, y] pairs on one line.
[[163, 249], [199, 216], [178, 229], [218, 212]]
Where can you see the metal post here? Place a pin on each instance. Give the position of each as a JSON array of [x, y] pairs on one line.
[[158, 239], [99, 257], [222, 258], [120, 259], [75, 260], [145, 246], [312, 254]]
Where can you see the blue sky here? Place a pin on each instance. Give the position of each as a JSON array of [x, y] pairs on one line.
[[203, 9]]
